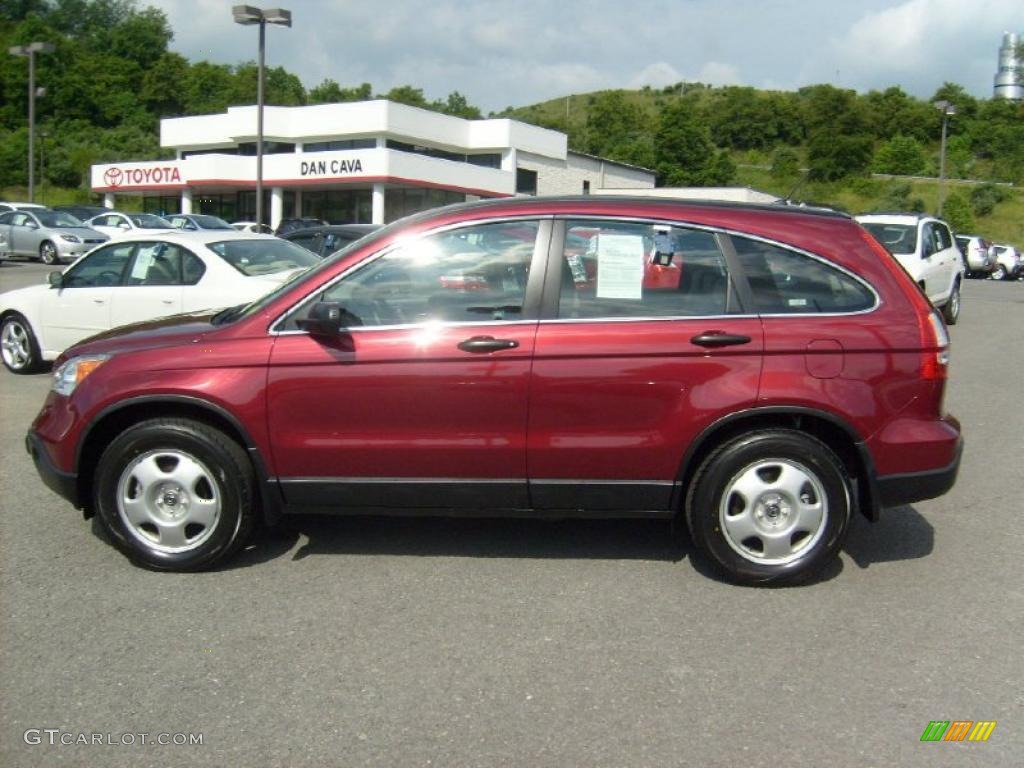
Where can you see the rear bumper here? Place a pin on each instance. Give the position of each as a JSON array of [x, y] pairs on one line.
[[894, 490], [63, 483]]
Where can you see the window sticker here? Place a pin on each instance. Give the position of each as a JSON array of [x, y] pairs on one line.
[[143, 261], [620, 266]]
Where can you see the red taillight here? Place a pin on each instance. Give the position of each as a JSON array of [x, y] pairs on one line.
[[933, 335]]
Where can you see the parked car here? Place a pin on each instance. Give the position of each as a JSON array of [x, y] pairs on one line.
[[139, 278], [978, 255], [194, 222], [252, 226], [304, 222], [325, 240], [924, 246], [1009, 263], [50, 236], [8, 206], [117, 225], [792, 377], [82, 212]]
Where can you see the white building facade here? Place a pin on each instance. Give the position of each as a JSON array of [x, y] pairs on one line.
[[362, 162]]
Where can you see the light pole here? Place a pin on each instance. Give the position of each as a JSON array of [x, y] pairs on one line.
[[42, 162], [247, 15], [948, 110], [30, 50]]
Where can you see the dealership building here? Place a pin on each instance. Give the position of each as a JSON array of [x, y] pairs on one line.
[[362, 162]]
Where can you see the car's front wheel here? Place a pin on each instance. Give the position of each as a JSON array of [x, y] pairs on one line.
[[48, 253], [176, 494], [18, 346], [771, 507]]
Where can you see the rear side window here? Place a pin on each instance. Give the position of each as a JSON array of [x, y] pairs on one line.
[[785, 282], [637, 270]]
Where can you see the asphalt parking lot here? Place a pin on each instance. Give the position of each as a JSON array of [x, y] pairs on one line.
[[601, 643]]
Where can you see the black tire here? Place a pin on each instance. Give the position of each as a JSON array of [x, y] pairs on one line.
[[717, 524], [999, 273], [951, 309], [20, 350], [171, 502], [48, 253]]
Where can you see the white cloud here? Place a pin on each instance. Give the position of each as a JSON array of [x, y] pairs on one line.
[[717, 73], [656, 75]]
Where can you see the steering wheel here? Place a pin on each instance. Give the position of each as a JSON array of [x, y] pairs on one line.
[[107, 278]]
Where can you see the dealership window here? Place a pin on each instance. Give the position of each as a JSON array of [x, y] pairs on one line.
[[331, 146], [526, 182], [402, 202], [339, 206], [162, 205], [269, 148], [623, 270], [586, 187], [487, 160]]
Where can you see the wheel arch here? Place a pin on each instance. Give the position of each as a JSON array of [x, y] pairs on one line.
[[836, 433], [116, 418]]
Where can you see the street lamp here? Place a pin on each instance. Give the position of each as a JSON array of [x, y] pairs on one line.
[[247, 15], [948, 110], [30, 50]]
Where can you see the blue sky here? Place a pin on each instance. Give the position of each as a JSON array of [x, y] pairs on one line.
[[517, 52]]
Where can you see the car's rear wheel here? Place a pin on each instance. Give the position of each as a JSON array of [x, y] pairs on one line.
[[999, 273], [951, 310], [18, 346], [48, 253], [176, 494], [770, 507]]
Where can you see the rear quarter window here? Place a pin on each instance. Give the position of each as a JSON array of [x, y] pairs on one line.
[[785, 282]]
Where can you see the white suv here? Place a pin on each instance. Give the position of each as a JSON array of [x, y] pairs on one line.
[[925, 247], [979, 255]]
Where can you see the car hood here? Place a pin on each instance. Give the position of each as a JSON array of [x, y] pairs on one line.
[[82, 232], [164, 332], [19, 296]]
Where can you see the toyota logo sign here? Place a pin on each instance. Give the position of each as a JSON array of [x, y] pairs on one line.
[[112, 176]]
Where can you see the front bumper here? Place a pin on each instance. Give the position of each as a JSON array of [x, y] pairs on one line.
[[894, 490], [63, 483]]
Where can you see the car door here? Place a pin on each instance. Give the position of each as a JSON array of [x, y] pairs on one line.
[[24, 237], [153, 287], [644, 342], [80, 306], [422, 402], [933, 272], [6, 225]]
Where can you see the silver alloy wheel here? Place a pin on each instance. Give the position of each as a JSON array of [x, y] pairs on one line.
[[169, 501], [773, 511], [15, 345], [48, 253], [999, 273], [954, 301]]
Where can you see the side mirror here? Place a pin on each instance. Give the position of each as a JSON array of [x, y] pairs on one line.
[[55, 279], [327, 318]]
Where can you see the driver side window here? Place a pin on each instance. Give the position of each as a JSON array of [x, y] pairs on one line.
[[101, 268], [473, 274]]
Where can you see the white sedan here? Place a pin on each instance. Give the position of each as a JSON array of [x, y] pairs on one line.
[[116, 225], [140, 278]]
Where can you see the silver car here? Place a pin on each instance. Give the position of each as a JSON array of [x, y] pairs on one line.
[[51, 236]]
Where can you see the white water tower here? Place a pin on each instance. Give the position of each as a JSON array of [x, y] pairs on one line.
[[1009, 82]]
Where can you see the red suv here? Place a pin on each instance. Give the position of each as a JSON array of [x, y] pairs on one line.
[[517, 357]]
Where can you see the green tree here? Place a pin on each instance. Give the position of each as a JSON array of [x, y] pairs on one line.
[[901, 155], [957, 211], [458, 106], [329, 92], [406, 94], [685, 154], [831, 157], [619, 130]]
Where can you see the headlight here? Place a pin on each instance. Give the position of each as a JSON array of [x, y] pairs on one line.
[[73, 372], [71, 238]]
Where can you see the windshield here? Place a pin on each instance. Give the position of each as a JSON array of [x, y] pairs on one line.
[[263, 257], [57, 219], [898, 239], [204, 222], [149, 221]]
